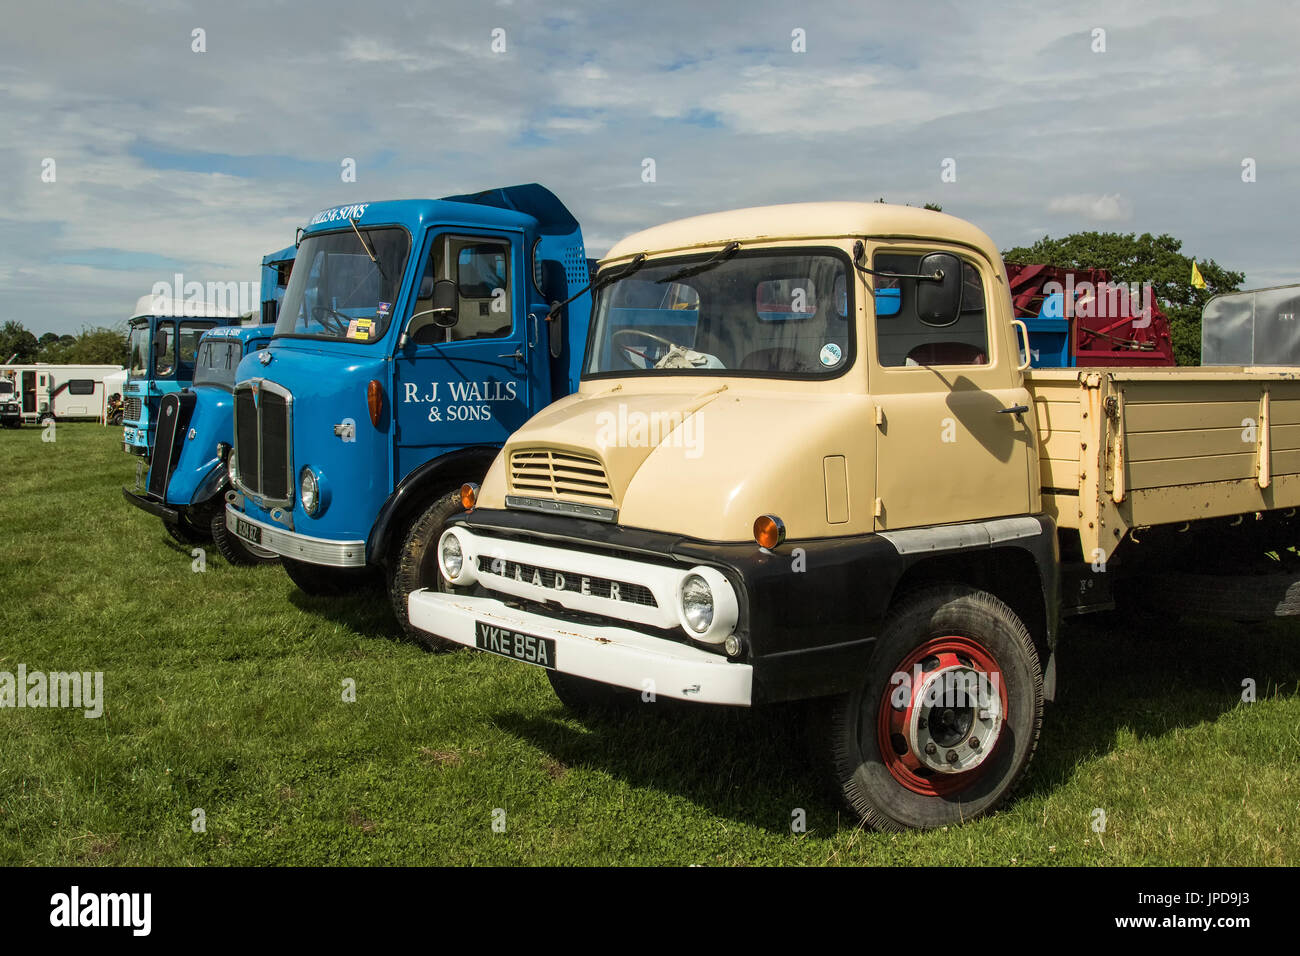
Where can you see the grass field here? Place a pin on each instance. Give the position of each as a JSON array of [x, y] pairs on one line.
[[224, 691]]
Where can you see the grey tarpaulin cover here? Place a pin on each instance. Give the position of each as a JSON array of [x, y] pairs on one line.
[[1257, 327]]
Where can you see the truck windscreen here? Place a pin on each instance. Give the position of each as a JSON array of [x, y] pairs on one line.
[[779, 313], [216, 363], [139, 348], [337, 291]]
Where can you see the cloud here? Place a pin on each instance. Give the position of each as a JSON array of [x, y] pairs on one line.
[[213, 159], [1107, 208]]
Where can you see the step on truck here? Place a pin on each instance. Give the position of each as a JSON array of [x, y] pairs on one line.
[[187, 481], [414, 336], [783, 495]]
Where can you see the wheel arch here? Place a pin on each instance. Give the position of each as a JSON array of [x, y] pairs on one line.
[[1024, 573], [421, 485]]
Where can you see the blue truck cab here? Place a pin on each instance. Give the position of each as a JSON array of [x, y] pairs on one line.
[[276, 267], [187, 479], [164, 338], [414, 337]]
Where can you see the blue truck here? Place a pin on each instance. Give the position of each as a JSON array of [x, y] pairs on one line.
[[187, 479], [276, 267], [414, 337], [164, 339]]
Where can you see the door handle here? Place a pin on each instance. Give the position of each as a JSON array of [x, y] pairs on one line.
[[1014, 410], [517, 355]]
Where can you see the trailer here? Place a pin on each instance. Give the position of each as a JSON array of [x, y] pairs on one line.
[[882, 513], [37, 394], [1254, 327]]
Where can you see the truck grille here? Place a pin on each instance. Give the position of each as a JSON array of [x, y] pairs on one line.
[[132, 413], [599, 587], [173, 417], [548, 472], [262, 442]]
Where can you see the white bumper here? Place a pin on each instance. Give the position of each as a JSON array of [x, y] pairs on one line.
[[611, 655]]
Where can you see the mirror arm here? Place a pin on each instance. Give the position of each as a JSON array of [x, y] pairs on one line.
[[859, 254]]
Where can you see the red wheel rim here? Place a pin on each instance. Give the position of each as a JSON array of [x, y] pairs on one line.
[[940, 719]]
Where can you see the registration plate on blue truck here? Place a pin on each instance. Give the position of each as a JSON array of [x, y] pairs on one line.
[[248, 531], [520, 647]]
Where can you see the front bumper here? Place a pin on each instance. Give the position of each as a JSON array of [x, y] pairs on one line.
[[300, 547], [152, 506], [611, 655]]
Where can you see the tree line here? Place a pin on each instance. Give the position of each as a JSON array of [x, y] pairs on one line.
[[90, 346]]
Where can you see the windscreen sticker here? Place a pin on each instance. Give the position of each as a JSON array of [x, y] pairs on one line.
[[831, 355], [382, 310], [360, 329]]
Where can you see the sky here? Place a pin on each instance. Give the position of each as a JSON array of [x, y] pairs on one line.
[[167, 159]]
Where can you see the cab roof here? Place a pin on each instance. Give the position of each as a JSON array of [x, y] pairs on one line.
[[810, 220], [517, 207], [163, 305], [240, 333]]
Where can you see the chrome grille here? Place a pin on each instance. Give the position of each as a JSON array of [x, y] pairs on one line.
[[132, 413], [549, 472], [263, 441], [546, 577]]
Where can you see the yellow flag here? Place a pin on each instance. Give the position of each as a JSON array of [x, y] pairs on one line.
[[1197, 279]]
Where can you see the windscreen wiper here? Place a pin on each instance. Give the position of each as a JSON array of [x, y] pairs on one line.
[[598, 283], [727, 251], [366, 246]]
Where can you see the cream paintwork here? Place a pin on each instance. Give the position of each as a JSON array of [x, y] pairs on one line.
[[765, 443], [1169, 455]]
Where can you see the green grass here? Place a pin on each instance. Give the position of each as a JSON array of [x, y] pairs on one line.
[[224, 692]]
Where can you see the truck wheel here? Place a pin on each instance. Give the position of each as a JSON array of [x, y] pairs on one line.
[[584, 696], [946, 718], [415, 566], [188, 532], [235, 550], [318, 580]]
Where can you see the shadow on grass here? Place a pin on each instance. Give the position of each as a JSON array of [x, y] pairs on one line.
[[753, 766], [1152, 679], [367, 611], [746, 765]]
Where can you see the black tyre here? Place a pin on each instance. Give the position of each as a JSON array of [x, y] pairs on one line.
[[1236, 597], [187, 531], [235, 550], [319, 580], [590, 697], [950, 741], [415, 566]]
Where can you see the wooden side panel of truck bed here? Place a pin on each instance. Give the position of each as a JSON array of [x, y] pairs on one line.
[[1128, 448]]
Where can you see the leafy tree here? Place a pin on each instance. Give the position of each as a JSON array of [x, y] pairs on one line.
[[18, 342], [1145, 258], [92, 346]]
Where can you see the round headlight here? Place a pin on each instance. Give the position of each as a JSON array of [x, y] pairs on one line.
[[451, 557], [232, 468], [697, 603], [310, 491]]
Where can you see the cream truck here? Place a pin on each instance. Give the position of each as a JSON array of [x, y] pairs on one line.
[[808, 461]]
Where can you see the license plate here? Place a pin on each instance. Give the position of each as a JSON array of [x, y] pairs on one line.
[[248, 531], [512, 644]]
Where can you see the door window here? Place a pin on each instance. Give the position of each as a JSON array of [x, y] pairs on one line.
[[903, 339], [481, 270]]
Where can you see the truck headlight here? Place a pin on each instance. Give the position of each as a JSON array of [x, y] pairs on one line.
[[451, 556], [697, 603], [232, 467], [309, 491], [707, 607]]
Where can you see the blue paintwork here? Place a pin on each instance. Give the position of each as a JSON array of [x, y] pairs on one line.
[[274, 279], [199, 474], [1049, 335], [439, 398], [137, 433]]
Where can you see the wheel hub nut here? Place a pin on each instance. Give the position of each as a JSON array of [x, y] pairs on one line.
[[930, 748]]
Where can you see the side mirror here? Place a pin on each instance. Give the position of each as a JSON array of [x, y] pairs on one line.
[[938, 300], [555, 288], [446, 304]]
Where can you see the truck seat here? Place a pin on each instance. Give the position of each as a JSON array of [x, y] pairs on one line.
[[946, 353]]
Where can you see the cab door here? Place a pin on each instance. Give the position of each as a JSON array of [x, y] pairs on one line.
[[954, 421], [468, 384]]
